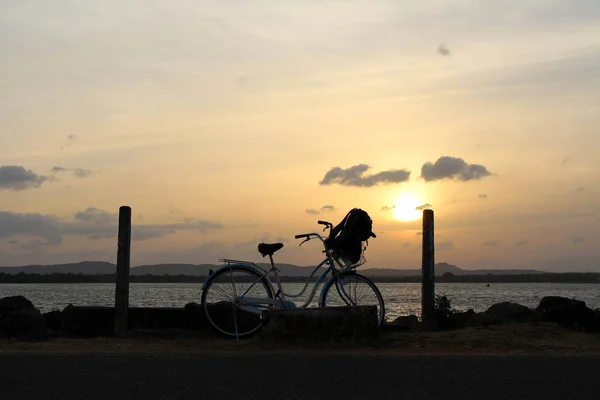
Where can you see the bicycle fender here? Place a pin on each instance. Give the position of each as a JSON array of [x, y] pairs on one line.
[[227, 266]]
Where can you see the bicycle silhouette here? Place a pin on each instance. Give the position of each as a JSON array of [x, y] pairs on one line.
[[235, 295]]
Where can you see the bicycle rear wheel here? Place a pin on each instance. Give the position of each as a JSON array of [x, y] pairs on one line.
[[352, 289], [224, 294]]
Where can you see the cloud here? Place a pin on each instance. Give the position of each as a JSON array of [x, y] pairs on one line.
[[72, 138], [491, 243], [353, 176], [324, 209], [442, 246], [58, 169], [579, 190], [423, 207], [95, 216], [452, 168], [36, 225], [443, 50], [483, 196], [93, 223], [15, 177], [406, 245], [578, 239], [520, 243], [77, 172], [387, 208], [567, 159]]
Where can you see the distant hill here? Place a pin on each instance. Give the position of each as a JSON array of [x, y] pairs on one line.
[[103, 268]]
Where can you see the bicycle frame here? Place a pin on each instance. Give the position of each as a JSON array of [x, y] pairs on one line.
[[254, 304]]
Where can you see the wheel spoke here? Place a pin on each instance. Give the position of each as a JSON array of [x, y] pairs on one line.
[[220, 297], [354, 290]]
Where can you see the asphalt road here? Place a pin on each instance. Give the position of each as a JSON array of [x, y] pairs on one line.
[[287, 376]]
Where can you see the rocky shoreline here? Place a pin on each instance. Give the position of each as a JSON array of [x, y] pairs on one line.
[[20, 320]]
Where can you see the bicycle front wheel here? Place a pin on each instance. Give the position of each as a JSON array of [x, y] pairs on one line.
[[352, 289], [225, 298]]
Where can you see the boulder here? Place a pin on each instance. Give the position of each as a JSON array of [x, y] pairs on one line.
[[570, 313], [20, 319], [459, 320], [409, 322], [53, 320], [87, 321], [508, 312]]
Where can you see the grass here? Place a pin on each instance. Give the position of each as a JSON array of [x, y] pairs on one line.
[[498, 339]]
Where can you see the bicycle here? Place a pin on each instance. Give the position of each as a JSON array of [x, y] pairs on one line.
[[247, 304]]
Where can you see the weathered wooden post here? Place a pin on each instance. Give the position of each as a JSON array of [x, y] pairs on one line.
[[123, 260], [428, 268]]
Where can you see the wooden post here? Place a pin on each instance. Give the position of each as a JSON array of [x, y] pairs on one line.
[[428, 268], [123, 259]]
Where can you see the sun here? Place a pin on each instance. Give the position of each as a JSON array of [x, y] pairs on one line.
[[405, 208]]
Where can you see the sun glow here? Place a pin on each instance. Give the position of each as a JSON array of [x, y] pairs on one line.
[[405, 208]]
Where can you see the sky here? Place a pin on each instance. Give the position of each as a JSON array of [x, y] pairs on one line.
[[224, 124]]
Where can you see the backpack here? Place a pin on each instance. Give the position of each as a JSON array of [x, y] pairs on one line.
[[346, 238]]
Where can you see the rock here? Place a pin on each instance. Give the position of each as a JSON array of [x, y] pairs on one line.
[[456, 320], [508, 312], [20, 319], [53, 320], [570, 313], [87, 321], [410, 322]]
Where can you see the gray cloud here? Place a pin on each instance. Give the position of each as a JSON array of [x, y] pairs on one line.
[[578, 239], [95, 216], [15, 177], [324, 209], [482, 196], [70, 140], [423, 207], [520, 243], [387, 208], [77, 172], [93, 223], [452, 168], [406, 245], [353, 176], [443, 50], [41, 226], [491, 243], [579, 190]]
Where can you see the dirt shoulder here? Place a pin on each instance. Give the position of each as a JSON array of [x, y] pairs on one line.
[[500, 339]]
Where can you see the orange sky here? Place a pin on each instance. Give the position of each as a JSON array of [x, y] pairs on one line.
[[217, 121]]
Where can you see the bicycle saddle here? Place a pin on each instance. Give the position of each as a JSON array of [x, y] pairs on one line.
[[268, 249]]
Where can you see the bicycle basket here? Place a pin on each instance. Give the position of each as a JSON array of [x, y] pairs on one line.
[[351, 259]]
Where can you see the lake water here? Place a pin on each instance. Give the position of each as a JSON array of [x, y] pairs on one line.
[[400, 298]]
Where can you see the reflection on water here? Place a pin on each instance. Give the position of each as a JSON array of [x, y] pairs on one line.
[[400, 298]]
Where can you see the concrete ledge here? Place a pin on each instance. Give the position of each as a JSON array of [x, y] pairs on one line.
[[329, 323], [99, 321]]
